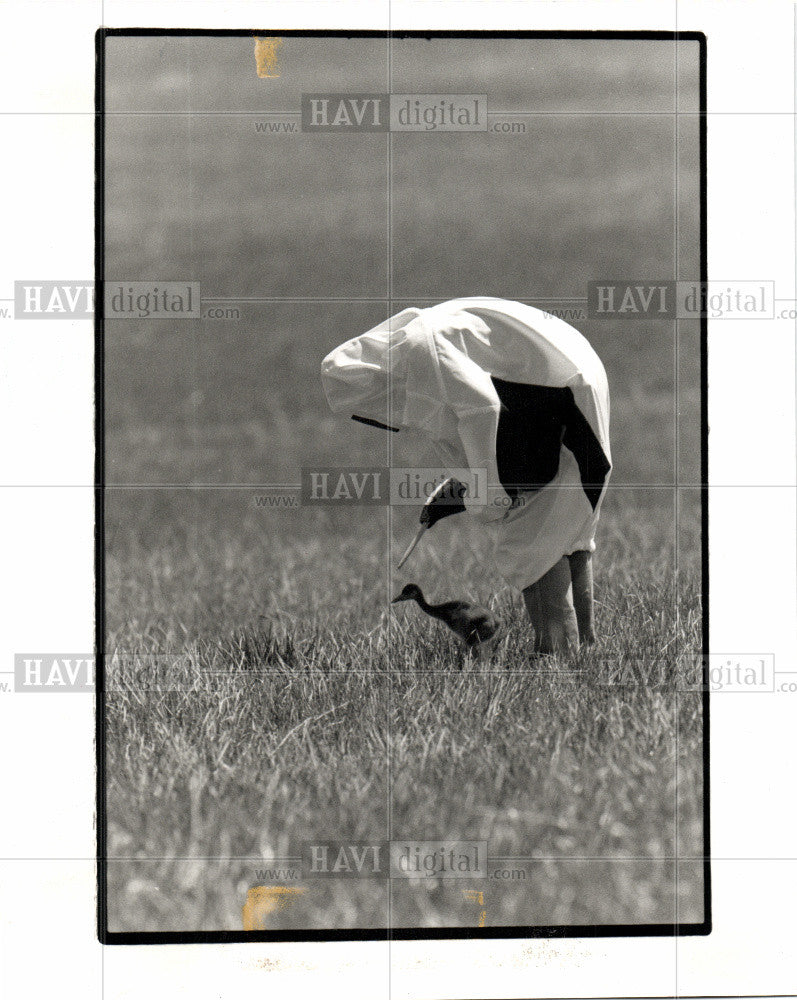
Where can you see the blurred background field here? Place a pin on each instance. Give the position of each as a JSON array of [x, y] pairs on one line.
[[288, 607]]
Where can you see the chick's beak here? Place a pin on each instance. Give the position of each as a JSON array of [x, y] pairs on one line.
[[400, 597]]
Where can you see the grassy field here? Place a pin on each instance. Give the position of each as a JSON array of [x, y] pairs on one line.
[[304, 707]]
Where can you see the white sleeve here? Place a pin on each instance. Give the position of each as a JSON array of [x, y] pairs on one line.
[[469, 392]]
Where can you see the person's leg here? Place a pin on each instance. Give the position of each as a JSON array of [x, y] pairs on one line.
[[581, 572], [549, 603], [531, 595]]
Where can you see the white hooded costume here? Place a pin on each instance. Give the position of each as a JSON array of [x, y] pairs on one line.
[[498, 385]]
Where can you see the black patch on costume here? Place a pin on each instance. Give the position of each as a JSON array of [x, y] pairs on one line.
[[535, 421]]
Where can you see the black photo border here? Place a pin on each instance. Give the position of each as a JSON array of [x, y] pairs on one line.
[[390, 933]]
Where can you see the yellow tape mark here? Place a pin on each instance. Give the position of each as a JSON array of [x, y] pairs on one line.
[[263, 900], [476, 896], [266, 57]]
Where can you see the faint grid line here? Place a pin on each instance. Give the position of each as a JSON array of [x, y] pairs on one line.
[[105, 810], [794, 193], [297, 486], [102, 496], [267, 671], [676, 496], [527, 859], [503, 114], [389, 785], [194, 429], [386, 300]]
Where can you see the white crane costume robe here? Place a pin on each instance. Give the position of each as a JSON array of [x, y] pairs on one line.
[[498, 385]]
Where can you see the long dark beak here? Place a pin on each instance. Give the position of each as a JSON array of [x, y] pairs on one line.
[[400, 597]]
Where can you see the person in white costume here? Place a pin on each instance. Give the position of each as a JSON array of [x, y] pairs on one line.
[[501, 386]]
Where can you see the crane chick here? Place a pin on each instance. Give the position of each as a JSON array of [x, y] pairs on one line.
[[473, 625]]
